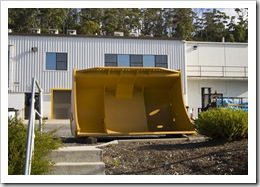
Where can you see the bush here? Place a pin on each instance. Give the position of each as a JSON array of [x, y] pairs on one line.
[[223, 123], [43, 144]]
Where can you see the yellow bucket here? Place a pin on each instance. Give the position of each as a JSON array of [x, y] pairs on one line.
[[128, 101]]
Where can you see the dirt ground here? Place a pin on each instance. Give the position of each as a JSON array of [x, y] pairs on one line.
[[181, 157]]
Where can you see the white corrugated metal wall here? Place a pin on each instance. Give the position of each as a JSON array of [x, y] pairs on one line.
[[83, 52]]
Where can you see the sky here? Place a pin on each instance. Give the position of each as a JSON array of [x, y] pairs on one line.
[[231, 12]]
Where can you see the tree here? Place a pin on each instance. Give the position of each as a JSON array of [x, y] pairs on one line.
[[91, 14], [52, 18], [153, 22], [22, 19], [71, 20], [213, 24], [230, 30], [182, 26], [90, 28], [109, 21], [133, 19], [189, 24], [241, 29]]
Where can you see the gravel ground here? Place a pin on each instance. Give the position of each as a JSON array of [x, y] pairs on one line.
[[171, 157]]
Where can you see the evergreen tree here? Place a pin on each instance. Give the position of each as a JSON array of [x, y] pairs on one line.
[[90, 19], [189, 24], [109, 22], [71, 20], [90, 28], [182, 26], [214, 26], [241, 29], [133, 19], [23, 19], [153, 22], [52, 18]]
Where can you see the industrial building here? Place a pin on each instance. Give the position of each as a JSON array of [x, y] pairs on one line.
[[51, 58]]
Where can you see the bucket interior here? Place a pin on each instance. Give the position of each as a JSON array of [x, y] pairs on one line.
[[130, 101]]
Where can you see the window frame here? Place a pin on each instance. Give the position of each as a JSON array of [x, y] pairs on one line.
[[57, 61]]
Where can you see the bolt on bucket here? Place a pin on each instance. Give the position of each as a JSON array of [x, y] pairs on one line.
[[128, 101]]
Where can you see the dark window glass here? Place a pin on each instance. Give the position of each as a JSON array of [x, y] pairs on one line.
[[110, 58], [161, 61], [61, 57], [61, 66], [136, 58]]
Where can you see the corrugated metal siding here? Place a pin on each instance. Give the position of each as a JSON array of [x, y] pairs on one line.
[[83, 52]]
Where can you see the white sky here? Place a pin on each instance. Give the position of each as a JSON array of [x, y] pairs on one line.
[[230, 12]]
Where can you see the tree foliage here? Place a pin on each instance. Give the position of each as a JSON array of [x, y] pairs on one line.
[[182, 23]]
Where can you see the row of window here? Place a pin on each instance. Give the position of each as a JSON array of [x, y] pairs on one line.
[[122, 60], [59, 61]]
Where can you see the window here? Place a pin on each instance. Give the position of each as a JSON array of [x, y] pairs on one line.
[[136, 60], [110, 60], [123, 61], [161, 61], [149, 61], [56, 61], [127, 60]]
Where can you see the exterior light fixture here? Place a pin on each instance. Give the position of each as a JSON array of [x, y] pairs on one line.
[[195, 47], [34, 49]]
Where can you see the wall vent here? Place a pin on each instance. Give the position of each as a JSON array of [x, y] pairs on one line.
[[36, 31], [118, 34], [149, 35], [71, 32], [133, 34], [53, 31]]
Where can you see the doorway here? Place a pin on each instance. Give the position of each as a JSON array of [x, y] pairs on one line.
[[61, 103]]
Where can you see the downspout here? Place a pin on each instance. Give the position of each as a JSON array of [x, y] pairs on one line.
[[10, 72], [185, 87]]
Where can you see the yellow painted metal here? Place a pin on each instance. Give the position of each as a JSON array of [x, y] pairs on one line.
[[128, 101]]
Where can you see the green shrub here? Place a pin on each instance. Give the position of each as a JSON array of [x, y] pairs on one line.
[[223, 123], [43, 144]]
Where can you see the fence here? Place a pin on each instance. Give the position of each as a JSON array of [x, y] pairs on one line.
[[31, 124], [218, 71]]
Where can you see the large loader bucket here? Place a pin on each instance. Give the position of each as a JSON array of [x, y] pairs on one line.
[[128, 101]]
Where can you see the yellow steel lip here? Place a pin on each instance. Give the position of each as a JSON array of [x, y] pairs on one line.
[[135, 133], [153, 69]]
